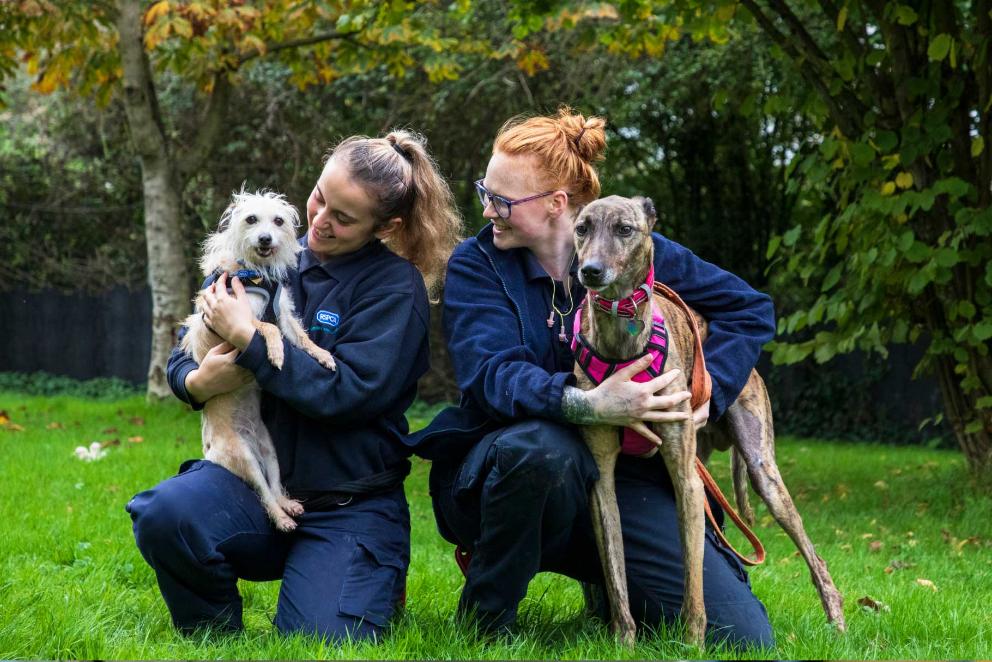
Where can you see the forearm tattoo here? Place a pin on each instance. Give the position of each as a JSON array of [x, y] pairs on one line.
[[576, 407]]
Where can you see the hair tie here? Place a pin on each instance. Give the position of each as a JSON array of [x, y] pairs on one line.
[[579, 137], [402, 152]]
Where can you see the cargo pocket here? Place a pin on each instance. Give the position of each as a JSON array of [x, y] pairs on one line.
[[731, 558], [371, 586]]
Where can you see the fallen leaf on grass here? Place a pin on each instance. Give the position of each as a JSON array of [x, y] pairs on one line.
[[14, 427], [110, 442], [4, 417], [108, 431], [926, 583], [54, 425], [898, 564], [872, 604], [136, 420], [875, 546], [881, 485], [135, 440]]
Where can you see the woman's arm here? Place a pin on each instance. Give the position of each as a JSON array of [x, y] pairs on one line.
[[741, 319], [376, 345]]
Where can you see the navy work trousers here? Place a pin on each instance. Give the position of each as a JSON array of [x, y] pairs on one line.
[[520, 502], [343, 570]]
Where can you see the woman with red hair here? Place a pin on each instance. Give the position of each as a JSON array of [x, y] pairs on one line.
[[511, 475]]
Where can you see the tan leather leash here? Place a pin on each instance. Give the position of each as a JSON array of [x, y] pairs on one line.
[[702, 388]]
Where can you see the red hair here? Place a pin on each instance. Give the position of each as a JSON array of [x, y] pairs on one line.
[[566, 145]]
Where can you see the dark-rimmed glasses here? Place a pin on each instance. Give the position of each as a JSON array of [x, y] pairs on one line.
[[502, 206]]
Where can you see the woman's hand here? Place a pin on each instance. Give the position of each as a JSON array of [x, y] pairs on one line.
[[620, 401], [230, 317], [217, 374]]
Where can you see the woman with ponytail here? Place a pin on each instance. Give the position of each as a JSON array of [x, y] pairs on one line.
[[380, 226], [511, 475]]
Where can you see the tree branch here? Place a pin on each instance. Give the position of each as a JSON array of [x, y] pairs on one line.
[[983, 79], [849, 123], [297, 43], [210, 128]]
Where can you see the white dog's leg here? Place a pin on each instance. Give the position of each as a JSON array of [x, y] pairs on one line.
[[292, 328]]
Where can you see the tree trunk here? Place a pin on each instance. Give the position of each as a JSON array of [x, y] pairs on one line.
[[959, 407], [162, 196]]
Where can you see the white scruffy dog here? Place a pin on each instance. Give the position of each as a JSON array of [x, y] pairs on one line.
[[255, 240]]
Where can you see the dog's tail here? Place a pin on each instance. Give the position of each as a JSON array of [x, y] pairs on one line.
[[741, 493]]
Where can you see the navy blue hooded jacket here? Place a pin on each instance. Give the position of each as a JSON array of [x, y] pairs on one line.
[[509, 365], [342, 431]]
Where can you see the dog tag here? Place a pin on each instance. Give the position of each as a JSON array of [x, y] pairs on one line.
[[635, 326]]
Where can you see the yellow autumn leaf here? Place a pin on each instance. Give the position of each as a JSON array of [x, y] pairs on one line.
[[904, 180], [841, 18], [926, 583], [156, 10], [888, 188], [977, 146]]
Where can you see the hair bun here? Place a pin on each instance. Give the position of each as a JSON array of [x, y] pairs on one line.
[[587, 136]]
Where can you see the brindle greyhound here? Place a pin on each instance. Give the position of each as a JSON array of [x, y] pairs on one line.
[[616, 253]]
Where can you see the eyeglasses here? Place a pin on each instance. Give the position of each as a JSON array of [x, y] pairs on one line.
[[501, 205]]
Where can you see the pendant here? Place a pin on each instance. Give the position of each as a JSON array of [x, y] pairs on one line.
[[551, 319], [635, 326], [561, 334]]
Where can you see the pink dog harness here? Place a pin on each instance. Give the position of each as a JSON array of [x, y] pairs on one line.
[[596, 368]]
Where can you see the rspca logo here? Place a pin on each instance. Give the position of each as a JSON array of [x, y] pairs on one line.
[[326, 321]]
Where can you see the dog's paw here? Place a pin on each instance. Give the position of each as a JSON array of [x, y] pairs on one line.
[[283, 522], [325, 359], [276, 355], [291, 507]]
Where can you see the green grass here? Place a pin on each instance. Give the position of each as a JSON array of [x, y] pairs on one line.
[[73, 585]]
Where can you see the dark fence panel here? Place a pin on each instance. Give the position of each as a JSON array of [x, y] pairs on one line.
[[77, 335], [855, 396]]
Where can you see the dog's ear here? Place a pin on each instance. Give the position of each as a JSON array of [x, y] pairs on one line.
[[648, 207], [225, 218]]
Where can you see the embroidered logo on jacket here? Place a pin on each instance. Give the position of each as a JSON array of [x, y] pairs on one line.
[[325, 321]]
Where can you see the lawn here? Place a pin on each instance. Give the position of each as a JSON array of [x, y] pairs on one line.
[[897, 525]]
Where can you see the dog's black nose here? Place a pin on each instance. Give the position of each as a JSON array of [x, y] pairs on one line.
[[592, 270], [265, 240]]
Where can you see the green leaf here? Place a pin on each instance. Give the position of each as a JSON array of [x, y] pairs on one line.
[[832, 278], [977, 145], [862, 153], [974, 427], [982, 331], [939, 47], [947, 257], [905, 15], [841, 18], [773, 246], [920, 279], [966, 309], [790, 237], [906, 240], [984, 402]]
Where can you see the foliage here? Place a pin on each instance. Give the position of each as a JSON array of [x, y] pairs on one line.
[[71, 205], [45, 384], [902, 96], [75, 585]]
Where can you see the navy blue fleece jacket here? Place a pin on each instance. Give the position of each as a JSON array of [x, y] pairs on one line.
[[510, 365], [342, 430]]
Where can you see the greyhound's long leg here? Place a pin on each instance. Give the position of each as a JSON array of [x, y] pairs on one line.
[[602, 441], [750, 419], [679, 451]]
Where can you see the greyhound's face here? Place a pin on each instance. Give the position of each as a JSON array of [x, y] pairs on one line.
[[613, 241]]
